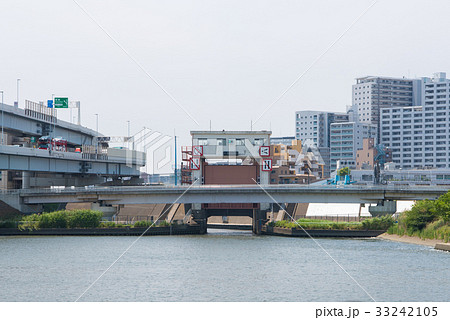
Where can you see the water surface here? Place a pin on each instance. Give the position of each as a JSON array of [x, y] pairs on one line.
[[220, 266]]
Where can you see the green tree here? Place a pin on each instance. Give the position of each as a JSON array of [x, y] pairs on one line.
[[422, 213], [344, 171], [442, 207]]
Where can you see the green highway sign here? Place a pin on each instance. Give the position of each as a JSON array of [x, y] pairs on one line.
[[61, 102]]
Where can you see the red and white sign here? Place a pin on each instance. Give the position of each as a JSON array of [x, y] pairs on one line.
[[197, 151], [264, 151], [195, 164], [266, 165]]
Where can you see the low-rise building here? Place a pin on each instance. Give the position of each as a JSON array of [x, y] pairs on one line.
[[293, 164], [313, 127]]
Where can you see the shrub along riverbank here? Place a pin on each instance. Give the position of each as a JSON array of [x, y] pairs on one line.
[[70, 219], [382, 223], [427, 219]]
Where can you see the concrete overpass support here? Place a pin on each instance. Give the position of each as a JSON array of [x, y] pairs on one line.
[[383, 208], [26, 179], [108, 211], [16, 203]]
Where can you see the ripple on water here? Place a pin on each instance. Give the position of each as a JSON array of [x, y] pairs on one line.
[[224, 265]]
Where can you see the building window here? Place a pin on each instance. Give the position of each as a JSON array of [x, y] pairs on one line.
[[258, 142]]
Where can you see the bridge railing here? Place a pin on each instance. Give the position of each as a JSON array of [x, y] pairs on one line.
[[268, 188]]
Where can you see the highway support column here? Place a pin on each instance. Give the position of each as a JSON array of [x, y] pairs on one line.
[[25, 180]]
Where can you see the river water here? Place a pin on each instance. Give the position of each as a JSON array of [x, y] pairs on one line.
[[220, 266]]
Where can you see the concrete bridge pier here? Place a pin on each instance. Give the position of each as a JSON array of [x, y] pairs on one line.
[[259, 219], [201, 218]]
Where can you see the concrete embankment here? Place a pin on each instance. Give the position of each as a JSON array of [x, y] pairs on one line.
[[275, 231], [156, 231], [442, 246]]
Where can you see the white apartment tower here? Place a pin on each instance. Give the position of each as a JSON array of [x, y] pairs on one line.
[[313, 127], [419, 136], [370, 94]]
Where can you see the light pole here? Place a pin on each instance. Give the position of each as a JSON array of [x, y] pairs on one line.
[[96, 122], [129, 132], [18, 80], [176, 171], [2, 116], [96, 130], [53, 115]]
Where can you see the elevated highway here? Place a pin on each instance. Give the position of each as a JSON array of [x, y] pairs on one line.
[[115, 162], [30, 122], [23, 165]]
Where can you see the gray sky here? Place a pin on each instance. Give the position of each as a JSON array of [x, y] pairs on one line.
[[224, 61]]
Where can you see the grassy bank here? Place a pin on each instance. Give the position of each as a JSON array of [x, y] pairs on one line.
[[427, 219], [70, 219], [438, 229], [382, 223]]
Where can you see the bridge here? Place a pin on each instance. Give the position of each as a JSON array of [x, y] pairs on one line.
[[258, 196], [230, 194]]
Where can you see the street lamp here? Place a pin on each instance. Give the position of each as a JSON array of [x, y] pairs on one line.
[[129, 133], [18, 80], [96, 130], [96, 122], [53, 115]]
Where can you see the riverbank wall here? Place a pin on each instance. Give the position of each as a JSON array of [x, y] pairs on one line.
[[126, 231], [442, 246], [287, 232]]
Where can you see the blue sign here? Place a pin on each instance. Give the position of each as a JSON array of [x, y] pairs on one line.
[[50, 103]]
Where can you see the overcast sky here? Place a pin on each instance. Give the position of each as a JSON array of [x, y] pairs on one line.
[[224, 61]]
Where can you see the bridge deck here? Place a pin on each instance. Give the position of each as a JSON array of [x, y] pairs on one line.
[[231, 194]]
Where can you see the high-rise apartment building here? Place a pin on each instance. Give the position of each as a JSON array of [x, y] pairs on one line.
[[419, 136], [346, 138], [370, 94], [313, 127]]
